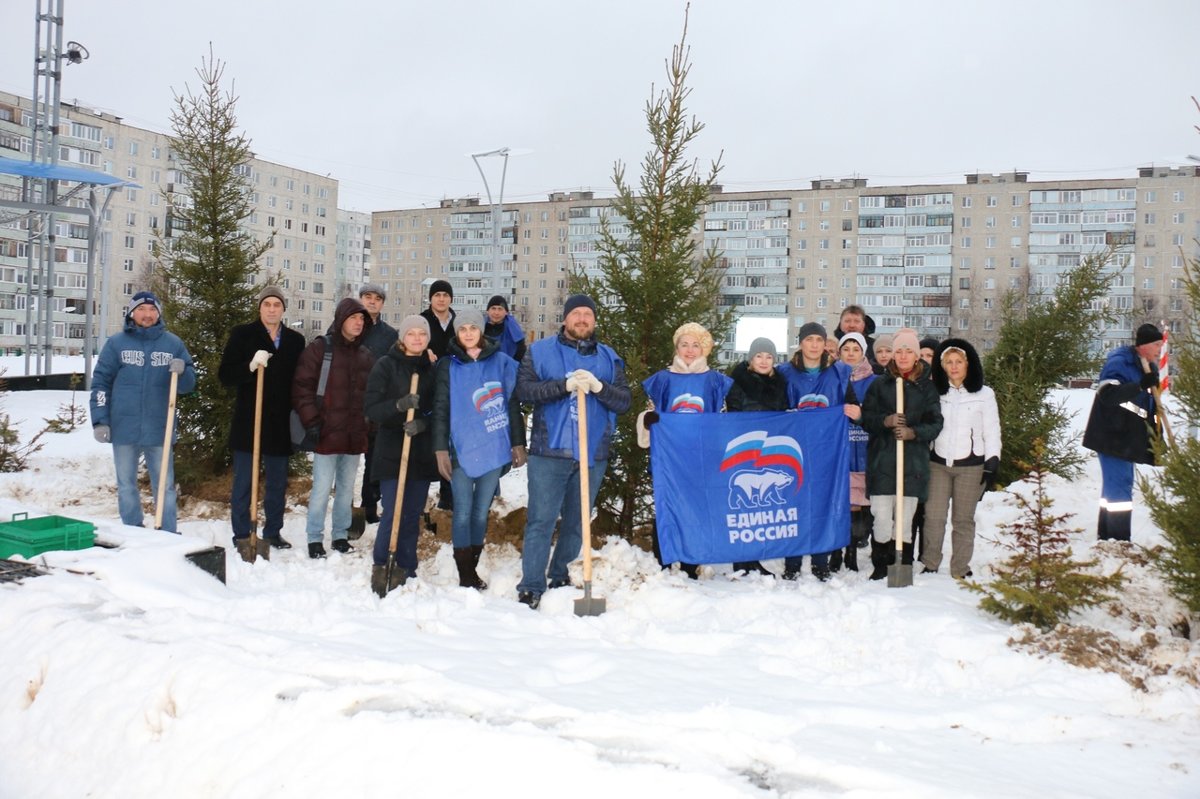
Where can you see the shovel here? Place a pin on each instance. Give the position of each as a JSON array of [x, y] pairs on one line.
[[255, 456], [399, 503], [165, 460], [588, 605], [899, 575]]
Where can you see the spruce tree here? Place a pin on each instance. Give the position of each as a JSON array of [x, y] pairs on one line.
[[1173, 493], [653, 277], [1043, 341], [1040, 582], [206, 260]]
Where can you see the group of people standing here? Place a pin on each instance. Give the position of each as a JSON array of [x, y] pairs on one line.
[[439, 397]]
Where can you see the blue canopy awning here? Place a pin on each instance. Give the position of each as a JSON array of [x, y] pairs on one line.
[[30, 169]]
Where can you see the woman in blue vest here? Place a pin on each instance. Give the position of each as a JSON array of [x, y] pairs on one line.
[[478, 432], [815, 380], [852, 349], [686, 386]]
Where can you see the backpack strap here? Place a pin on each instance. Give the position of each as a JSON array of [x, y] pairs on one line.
[[325, 366]]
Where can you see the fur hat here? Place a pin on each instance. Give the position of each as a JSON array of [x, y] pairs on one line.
[[906, 339], [692, 329], [812, 329], [1147, 334], [441, 285], [272, 291], [974, 379], [929, 343], [498, 299], [373, 288]]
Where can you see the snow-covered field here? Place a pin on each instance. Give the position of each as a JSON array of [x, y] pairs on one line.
[[128, 672]]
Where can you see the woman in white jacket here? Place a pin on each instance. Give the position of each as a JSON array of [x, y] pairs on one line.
[[965, 455]]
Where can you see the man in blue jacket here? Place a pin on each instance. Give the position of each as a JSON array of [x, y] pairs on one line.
[[1120, 426], [130, 388], [551, 373]]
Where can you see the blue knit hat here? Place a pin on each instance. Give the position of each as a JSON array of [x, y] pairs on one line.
[[143, 298]]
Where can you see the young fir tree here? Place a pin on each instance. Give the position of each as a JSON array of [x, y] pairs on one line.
[[1040, 582], [653, 277], [206, 261], [1043, 341], [1173, 493]]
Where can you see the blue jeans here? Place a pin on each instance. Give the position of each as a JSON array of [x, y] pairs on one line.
[[129, 500], [416, 492], [472, 501], [554, 492], [336, 473], [274, 496]]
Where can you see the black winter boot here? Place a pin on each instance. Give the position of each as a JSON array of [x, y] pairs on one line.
[[476, 553], [906, 556], [466, 573], [851, 558], [835, 561], [860, 528], [882, 556]]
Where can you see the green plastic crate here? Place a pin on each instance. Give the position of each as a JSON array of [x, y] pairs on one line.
[[28, 537]]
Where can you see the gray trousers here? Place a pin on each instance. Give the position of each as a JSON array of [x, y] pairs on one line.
[[961, 486]]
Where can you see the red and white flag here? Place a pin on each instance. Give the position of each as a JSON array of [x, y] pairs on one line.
[[1164, 373]]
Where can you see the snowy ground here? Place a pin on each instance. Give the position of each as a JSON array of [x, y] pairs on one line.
[[128, 672]]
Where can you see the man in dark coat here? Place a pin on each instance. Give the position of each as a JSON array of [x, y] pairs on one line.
[[854, 319], [266, 345], [339, 414], [1120, 426], [503, 329], [440, 317], [378, 340]]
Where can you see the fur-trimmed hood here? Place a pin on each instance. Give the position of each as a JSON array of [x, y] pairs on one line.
[[974, 378]]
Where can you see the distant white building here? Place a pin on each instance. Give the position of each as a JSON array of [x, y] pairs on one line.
[[353, 251]]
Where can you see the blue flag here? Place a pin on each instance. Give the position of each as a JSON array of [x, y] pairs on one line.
[[731, 487]]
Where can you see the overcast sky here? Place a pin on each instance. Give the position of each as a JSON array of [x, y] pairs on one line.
[[390, 96]]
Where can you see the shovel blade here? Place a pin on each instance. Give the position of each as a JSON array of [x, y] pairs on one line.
[[589, 605], [900, 576]]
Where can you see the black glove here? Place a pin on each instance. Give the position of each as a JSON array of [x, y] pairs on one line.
[[650, 418], [409, 402], [990, 467], [415, 427], [1150, 380]]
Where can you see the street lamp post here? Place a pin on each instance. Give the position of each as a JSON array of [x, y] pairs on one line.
[[497, 209]]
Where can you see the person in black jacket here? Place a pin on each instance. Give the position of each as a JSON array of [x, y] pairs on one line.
[[440, 317], [757, 386], [380, 338], [269, 345], [387, 402], [1122, 426]]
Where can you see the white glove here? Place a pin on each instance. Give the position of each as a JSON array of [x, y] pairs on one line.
[[574, 383], [582, 379], [259, 361]]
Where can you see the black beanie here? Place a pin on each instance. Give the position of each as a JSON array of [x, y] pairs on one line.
[[441, 285], [578, 301], [1147, 334], [498, 300]]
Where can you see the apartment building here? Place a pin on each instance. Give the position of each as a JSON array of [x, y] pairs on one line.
[[939, 258], [298, 207], [353, 252]]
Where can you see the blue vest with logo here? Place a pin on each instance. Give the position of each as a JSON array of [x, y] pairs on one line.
[[553, 361], [479, 395], [672, 392]]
